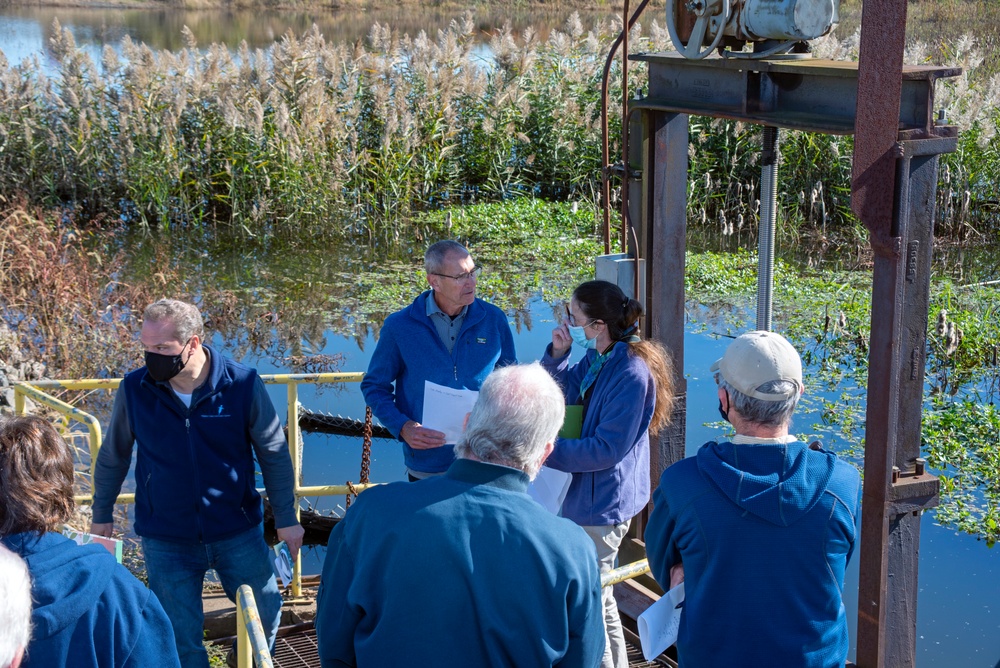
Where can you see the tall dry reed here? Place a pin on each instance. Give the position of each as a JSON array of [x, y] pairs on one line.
[[332, 140]]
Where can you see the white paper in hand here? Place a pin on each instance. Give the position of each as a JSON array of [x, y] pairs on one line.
[[549, 488], [445, 409], [283, 563], [659, 624]]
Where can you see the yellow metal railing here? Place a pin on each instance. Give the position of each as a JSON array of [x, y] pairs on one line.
[[626, 572], [251, 643], [35, 390]]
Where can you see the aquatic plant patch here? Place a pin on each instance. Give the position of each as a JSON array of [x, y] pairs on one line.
[[827, 316]]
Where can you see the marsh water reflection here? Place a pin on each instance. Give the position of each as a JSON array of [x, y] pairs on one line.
[[25, 31]]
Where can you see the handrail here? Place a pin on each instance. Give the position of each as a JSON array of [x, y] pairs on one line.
[[626, 572], [34, 389], [251, 643]]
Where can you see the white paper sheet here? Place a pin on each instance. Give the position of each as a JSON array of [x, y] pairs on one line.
[[283, 563], [549, 488], [659, 624], [445, 409]]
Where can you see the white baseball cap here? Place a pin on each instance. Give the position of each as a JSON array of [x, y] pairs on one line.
[[755, 358]]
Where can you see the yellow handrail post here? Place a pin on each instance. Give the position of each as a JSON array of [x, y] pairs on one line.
[[18, 400], [251, 644], [294, 449], [21, 390]]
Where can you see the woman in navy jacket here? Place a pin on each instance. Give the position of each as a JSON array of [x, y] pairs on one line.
[[89, 611], [626, 388]]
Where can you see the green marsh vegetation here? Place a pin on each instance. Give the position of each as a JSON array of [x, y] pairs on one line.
[[827, 315]]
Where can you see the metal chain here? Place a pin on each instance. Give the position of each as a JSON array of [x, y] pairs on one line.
[[366, 452], [366, 457]]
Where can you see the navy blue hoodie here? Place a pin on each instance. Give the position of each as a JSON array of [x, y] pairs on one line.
[[765, 531], [88, 610]]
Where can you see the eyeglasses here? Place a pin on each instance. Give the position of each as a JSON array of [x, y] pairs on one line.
[[464, 276], [572, 319]]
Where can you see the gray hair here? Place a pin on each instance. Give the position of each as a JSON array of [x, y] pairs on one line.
[[520, 409], [185, 317], [435, 256], [15, 606], [764, 413]]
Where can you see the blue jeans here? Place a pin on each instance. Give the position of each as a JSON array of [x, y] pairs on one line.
[[176, 574]]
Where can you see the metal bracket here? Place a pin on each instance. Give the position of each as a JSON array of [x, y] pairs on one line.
[[912, 492]]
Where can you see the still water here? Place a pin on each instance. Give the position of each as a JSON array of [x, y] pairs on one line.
[[959, 595]]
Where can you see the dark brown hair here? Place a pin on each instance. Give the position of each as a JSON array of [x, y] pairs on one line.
[[36, 476], [603, 300]]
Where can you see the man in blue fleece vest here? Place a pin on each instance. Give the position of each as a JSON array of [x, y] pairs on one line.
[[199, 420], [465, 569], [760, 528], [446, 336]]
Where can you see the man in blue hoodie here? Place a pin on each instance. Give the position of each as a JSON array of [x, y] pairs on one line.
[[199, 421], [88, 610], [446, 336], [759, 528]]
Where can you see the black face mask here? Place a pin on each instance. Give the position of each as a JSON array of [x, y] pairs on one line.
[[164, 367], [722, 411]]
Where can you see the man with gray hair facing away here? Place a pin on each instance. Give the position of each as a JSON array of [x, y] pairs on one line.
[[446, 336], [760, 528], [15, 608], [465, 569]]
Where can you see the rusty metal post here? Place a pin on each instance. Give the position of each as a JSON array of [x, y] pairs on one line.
[[664, 238], [890, 529]]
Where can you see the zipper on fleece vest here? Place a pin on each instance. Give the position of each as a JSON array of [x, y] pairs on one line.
[[194, 471]]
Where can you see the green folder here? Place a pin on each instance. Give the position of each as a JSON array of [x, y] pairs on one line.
[[573, 424]]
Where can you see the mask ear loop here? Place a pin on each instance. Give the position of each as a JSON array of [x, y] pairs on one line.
[[724, 412]]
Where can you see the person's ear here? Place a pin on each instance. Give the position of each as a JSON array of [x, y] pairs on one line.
[[549, 447], [465, 422], [724, 399]]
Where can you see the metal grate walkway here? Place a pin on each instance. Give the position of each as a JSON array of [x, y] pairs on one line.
[[298, 650]]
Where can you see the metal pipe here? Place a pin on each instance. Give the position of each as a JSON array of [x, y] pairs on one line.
[[626, 572], [605, 151], [765, 228], [624, 191]]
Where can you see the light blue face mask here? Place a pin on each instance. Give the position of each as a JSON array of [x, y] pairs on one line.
[[579, 336]]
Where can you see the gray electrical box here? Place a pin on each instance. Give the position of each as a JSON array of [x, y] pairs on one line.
[[619, 268]]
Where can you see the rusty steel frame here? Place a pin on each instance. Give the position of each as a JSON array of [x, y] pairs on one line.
[[820, 96]]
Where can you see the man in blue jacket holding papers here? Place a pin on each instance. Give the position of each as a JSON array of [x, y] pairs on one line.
[[760, 528], [446, 336]]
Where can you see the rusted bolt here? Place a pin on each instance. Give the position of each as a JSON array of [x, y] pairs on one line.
[[921, 463], [895, 474]]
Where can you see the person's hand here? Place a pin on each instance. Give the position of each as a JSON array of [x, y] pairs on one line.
[[105, 529], [421, 438], [293, 538], [561, 340], [676, 574]]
